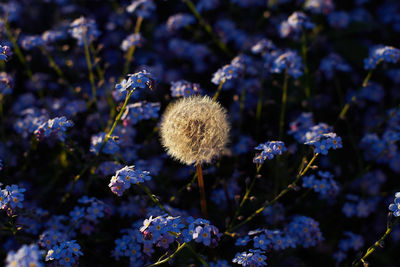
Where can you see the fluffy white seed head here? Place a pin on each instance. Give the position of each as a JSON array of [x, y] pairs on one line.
[[194, 130]]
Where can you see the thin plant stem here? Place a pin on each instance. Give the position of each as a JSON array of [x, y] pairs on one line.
[[131, 50], [283, 106], [207, 27], [280, 195], [90, 66], [306, 70], [94, 159], [378, 243], [197, 255], [219, 89], [346, 107], [170, 257], [151, 196], [184, 187], [246, 197], [17, 50], [203, 200], [118, 118], [56, 68]]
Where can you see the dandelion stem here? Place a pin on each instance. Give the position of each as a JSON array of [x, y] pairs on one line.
[[131, 50], [283, 106], [203, 201], [378, 243], [267, 203], [354, 98]]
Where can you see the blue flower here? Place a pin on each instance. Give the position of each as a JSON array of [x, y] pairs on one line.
[[126, 177], [269, 150], [110, 147], [395, 207], [381, 53], [5, 52], [25, 256], [295, 25], [29, 42], [288, 61], [143, 8], [184, 88], [261, 242], [134, 39], [179, 21], [83, 28]]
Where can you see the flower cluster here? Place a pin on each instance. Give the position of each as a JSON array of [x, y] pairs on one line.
[[355, 206], [324, 141], [395, 207], [252, 258], [162, 231], [125, 177], [25, 256], [11, 198], [66, 253], [140, 111], [227, 72], [53, 127], [381, 53], [325, 186], [184, 88], [288, 61], [32, 41], [269, 150], [98, 144], [84, 30], [352, 241], [179, 21], [295, 25], [141, 79], [134, 39], [331, 63], [5, 52]]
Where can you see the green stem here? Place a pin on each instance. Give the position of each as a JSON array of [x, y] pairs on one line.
[[219, 89], [131, 50], [283, 106], [180, 247], [90, 66], [118, 118], [151, 196], [94, 159], [354, 98], [306, 70], [281, 194], [378, 243], [17, 50], [246, 196], [184, 187], [197, 256], [207, 27], [56, 68]]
